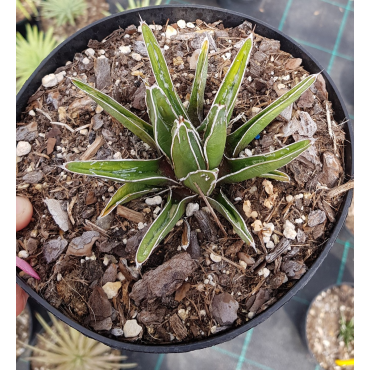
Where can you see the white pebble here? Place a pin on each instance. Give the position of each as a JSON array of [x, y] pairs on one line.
[[215, 258], [59, 277], [140, 225], [242, 264], [191, 208], [49, 80], [298, 196], [166, 47], [251, 315], [248, 152], [270, 244], [124, 241], [90, 52], [111, 289], [154, 201], [190, 25], [206, 281], [121, 277], [23, 148], [98, 109], [298, 221], [181, 23], [170, 31], [85, 60], [136, 56], [131, 329], [238, 199], [202, 313], [253, 189], [182, 313], [32, 113], [84, 132], [213, 329], [157, 210], [289, 198], [125, 50], [23, 254], [155, 27], [117, 332]]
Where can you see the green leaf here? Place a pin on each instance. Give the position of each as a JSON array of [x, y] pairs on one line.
[[128, 119], [126, 193], [162, 117], [186, 152], [215, 136], [230, 86], [276, 175], [227, 209], [162, 225], [246, 168], [205, 179], [127, 170], [160, 70], [241, 137], [196, 102]]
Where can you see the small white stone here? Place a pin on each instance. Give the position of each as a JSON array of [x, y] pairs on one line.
[[121, 277], [32, 113], [242, 264], [206, 281], [136, 56], [248, 152], [154, 201], [111, 289], [84, 132], [213, 329], [85, 60], [191, 208], [186, 103], [181, 23], [157, 210], [132, 152], [117, 332], [49, 80], [256, 110], [251, 315], [90, 52], [253, 189], [270, 244], [23, 148], [98, 109], [266, 272], [237, 199], [249, 78], [268, 229], [131, 329], [139, 29], [140, 225], [202, 313], [125, 50], [289, 230], [155, 27], [254, 214], [106, 261], [285, 279], [59, 277], [101, 52], [23, 254], [166, 47], [215, 258], [257, 226], [298, 221], [298, 196], [170, 31], [182, 313], [190, 25], [289, 198]]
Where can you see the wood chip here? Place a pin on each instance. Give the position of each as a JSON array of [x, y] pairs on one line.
[[92, 149], [178, 327], [129, 214], [59, 216], [340, 189], [50, 145]]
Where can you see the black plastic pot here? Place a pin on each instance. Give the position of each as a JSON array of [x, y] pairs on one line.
[[304, 324], [100, 29]]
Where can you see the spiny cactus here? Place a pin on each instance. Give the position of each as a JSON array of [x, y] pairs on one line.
[[197, 153]]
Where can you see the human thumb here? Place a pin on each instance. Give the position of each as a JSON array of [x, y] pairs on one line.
[[24, 213]]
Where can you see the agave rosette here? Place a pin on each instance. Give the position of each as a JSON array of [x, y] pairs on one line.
[[197, 153]]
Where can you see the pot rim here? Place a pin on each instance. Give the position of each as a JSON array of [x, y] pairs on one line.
[[309, 308], [232, 332]]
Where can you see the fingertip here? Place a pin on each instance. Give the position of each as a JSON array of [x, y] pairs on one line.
[[21, 299], [24, 212]]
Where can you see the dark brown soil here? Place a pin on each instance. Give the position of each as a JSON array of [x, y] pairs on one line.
[[323, 324], [179, 306], [22, 331]]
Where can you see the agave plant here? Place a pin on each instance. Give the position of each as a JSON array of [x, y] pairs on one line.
[[133, 4], [27, 7], [31, 51], [63, 11], [197, 154], [68, 349]]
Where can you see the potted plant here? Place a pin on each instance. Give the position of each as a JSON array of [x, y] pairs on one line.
[[329, 327], [239, 254], [60, 346]]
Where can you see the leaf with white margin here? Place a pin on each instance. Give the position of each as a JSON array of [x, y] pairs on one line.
[[196, 102], [276, 175], [228, 210], [205, 179], [241, 137], [186, 153], [126, 193], [160, 70], [131, 121], [162, 116], [147, 171], [215, 137], [161, 226], [248, 168], [230, 85]]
